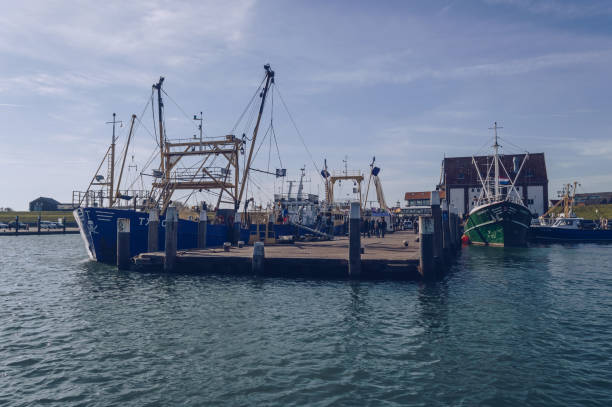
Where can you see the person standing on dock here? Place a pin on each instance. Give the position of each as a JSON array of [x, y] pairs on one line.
[[362, 227], [383, 227]]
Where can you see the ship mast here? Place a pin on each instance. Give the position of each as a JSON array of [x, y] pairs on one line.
[[496, 161], [111, 181]]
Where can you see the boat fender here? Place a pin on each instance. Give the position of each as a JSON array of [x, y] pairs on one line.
[[465, 239]]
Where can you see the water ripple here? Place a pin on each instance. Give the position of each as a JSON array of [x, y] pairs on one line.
[[506, 327]]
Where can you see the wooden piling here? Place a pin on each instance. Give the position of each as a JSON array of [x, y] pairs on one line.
[[436, 214], [153, 232], [426, 241], [123, 244], [202, 225], [64, 225], [16, 225], [38, 225], [446, 239], [171, 238], [354, 240], [259, 256], [452, 231]]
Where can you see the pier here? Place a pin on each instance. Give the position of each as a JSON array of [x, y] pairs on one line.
[[384, 258], [402, 255]]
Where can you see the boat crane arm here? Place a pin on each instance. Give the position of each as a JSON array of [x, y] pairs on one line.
[[485, 189], [512, 186], [379, 194]]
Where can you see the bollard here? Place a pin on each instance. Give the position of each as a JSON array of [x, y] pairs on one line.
[[202, 225], [451, 230], [123, 244], [153, 232], [436, 214], [227, 246], [38, 225], [459, 229], [446, 242], [426, 240], [171, 237], [355, 240], [258, 258], [455, 233], [236, 234]]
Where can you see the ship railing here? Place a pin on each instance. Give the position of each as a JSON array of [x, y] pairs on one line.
[[347, 173], [193, 175], [128, 198]]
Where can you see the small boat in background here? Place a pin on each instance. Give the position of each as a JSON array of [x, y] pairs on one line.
[[565, 226]]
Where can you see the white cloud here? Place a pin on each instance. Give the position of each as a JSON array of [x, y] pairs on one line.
[[558, 8]]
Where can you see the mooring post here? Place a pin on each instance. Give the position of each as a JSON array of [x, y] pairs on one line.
[[16, 225], [38, 225], [171, 237], [202, 225], [446, 242], [258, 258], [123, 244], [456, 237], [355, 240], [236, 235], [451, 228], [459, 231], [436, 214], [426, 241], [153, 230]]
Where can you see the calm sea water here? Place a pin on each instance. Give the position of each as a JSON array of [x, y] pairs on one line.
[[507, 327]]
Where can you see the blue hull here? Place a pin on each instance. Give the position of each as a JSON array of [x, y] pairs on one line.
[[553, 234], [98, 228]]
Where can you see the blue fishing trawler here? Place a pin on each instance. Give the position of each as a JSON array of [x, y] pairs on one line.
[[184, 165]]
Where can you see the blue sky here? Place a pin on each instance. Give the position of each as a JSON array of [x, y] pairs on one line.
[[406, 81]]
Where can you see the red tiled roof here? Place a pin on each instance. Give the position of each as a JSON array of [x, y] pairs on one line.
[[422, 195]]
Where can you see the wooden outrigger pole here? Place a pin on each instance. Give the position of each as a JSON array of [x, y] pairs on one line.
[[264, 93]]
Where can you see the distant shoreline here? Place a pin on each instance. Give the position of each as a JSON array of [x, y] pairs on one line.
[[30, 218]]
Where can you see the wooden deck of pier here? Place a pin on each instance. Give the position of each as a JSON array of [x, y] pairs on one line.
[[383, 258]]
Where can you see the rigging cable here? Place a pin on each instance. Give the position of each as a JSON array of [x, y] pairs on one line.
[[247, 106], [297, 130], [181, 109]]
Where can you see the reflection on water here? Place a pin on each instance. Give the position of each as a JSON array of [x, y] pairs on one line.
[[505, 327]]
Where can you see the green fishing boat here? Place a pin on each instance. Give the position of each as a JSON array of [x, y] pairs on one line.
[[499, 218]]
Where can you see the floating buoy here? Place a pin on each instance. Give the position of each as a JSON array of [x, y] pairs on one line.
[[465, 239]]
